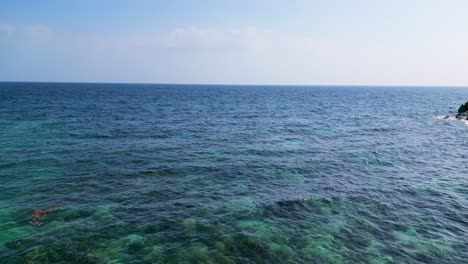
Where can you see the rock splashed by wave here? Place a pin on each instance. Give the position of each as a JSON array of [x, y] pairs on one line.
[[462, 114]]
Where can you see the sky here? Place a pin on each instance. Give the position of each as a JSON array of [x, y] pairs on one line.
[[289, 42]]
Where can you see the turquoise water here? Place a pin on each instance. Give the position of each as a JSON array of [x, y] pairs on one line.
[[232, 174]]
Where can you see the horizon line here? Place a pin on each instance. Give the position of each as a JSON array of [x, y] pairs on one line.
[[237, 84]]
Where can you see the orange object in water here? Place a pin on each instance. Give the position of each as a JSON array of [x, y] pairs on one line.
[[39, 215]]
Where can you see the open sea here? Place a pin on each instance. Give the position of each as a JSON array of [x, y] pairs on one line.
[[140, 173]]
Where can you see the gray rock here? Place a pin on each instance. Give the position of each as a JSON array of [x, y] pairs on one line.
[[463, 108], [462, 116]]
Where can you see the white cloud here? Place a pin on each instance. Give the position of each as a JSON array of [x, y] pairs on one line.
[[37, 32], [239, 55], [6, 30], [199, 54], [212, 38], [253, 55]]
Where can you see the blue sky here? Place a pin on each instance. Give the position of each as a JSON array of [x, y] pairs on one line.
[[411, 42]]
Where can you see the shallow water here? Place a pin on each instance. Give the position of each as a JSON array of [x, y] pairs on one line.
[[232, 174]]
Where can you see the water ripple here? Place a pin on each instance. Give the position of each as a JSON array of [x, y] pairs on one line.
[[231, 174]]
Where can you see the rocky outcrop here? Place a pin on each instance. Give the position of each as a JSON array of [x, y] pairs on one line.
[[463, 108], [462, 116], [463, 112]]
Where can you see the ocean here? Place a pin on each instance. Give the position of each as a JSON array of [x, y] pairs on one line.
[[154, 173]]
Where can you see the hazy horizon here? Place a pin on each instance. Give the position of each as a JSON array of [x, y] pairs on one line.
[[240, 84], [363, 43]]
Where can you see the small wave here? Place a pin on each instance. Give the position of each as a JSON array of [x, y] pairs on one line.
[[445, 117], [450, 118]]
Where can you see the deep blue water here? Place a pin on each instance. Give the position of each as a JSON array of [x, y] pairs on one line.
[[232, 174]]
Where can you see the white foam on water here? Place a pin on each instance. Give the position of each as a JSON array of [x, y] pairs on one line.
[[450, 118], [444, 117]]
